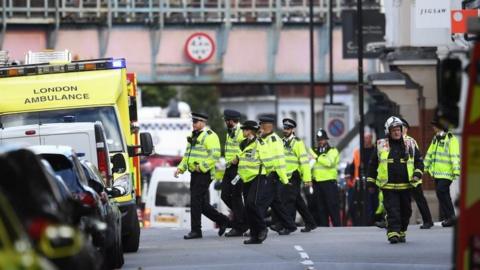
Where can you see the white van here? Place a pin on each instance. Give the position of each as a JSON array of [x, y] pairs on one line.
[[168, 200], [87, 138]]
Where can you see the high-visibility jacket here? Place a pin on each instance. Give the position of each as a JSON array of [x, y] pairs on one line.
[[443, 158], [272, 156], [249, 161], [203, 150], [296, 158], [232, 144], [413, 165], [326, 164], [414, 143]]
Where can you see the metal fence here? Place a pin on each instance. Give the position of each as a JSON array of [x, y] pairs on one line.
[[168, 11]]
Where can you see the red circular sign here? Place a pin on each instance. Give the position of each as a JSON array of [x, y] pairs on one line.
[[199, 48]]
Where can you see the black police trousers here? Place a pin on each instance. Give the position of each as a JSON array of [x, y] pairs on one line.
[[419, 197], [442, 188], [258, 195], [327, 202], [279, 212], [232, 197], [294, 201], [399, 209], [199, 202]]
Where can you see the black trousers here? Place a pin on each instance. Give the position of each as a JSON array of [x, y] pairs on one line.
[[199, 202], [232, 197], [419, 197], [279, 212], [399, 209], [327, 202], [258, 195], [294, 201], [442, 187]]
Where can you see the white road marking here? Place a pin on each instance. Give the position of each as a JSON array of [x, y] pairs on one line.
[[307, 262], [304, 255], [298, 248]]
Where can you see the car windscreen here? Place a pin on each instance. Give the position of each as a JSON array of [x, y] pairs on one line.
[[172, 194], [106, 115], [63, 167]]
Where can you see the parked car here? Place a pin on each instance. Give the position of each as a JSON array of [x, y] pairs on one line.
[[36, 200], [16, 251], [110, 214]]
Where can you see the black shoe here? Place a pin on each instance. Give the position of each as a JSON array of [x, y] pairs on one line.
[[276, 227], [252, 240], [427, 225], [308, 228], [285, 231], [393, 239], [448, 222], [234, 233], [263, 235], [247, 233], [402, 239], [221, 230], [192, 235], [381, 224]]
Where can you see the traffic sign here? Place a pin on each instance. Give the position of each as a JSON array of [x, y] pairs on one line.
[[336, 127], [199, 47], [336, 121]]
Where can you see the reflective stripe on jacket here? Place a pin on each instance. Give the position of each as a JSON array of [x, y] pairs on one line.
[[232, 145], [249, 162], [273, 156]]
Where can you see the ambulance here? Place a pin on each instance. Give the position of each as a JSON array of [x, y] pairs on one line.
[[51, 88]]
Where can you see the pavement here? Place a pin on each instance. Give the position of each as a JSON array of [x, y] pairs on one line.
[[324, 248]]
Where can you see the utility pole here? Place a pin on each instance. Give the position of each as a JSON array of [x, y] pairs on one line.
[[330, 56], [363, 181], [312, 75]]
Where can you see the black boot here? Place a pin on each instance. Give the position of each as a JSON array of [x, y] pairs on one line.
[[192, 235], [221, 230], [252, 240], [263, 235], [308, 228], [426, 225], [234, 233], [393, 239], [449, 222], [276, 227]]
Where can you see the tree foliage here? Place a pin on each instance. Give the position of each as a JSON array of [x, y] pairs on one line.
[[157, 95]]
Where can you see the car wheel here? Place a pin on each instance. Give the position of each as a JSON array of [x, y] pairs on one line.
[[115, 252], [131, 242]]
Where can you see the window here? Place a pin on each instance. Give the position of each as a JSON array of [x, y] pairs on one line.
[[173, 194]]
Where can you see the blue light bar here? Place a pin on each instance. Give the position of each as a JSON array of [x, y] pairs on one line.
[[118, 63]]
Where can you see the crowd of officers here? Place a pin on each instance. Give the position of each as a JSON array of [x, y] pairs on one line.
[[264, 171]]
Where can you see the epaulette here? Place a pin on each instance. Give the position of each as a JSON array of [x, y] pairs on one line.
[[261, 141], [209, 132], [274, 139], [297, 139]]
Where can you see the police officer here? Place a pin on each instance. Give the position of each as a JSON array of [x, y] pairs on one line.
[[274, 161], [232, 192], [325, 180], [203, 151], [396, 166], [442, 162], [258, 191], [298, 170], [417, 191]]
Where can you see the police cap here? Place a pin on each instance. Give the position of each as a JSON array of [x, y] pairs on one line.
[[322, 134], [250, 124], [289, 123], [199, 116], [231, 115], [266, 119]]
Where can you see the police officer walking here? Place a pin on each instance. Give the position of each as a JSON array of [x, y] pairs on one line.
[[258, 191], [396, 166], [442, 162], [274, 161], [232, 191], [298, 170], [325, 180], [203, 151], [417, 191]]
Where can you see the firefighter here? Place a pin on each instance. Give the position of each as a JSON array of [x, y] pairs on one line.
[[325, 180], [232, 191], [442, 162], [396, 167], [298, 171], [203, 151], [258, 191], [417, 191], [274, 161]]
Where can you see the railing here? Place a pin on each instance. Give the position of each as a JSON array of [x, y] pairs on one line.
[[168, 11]]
